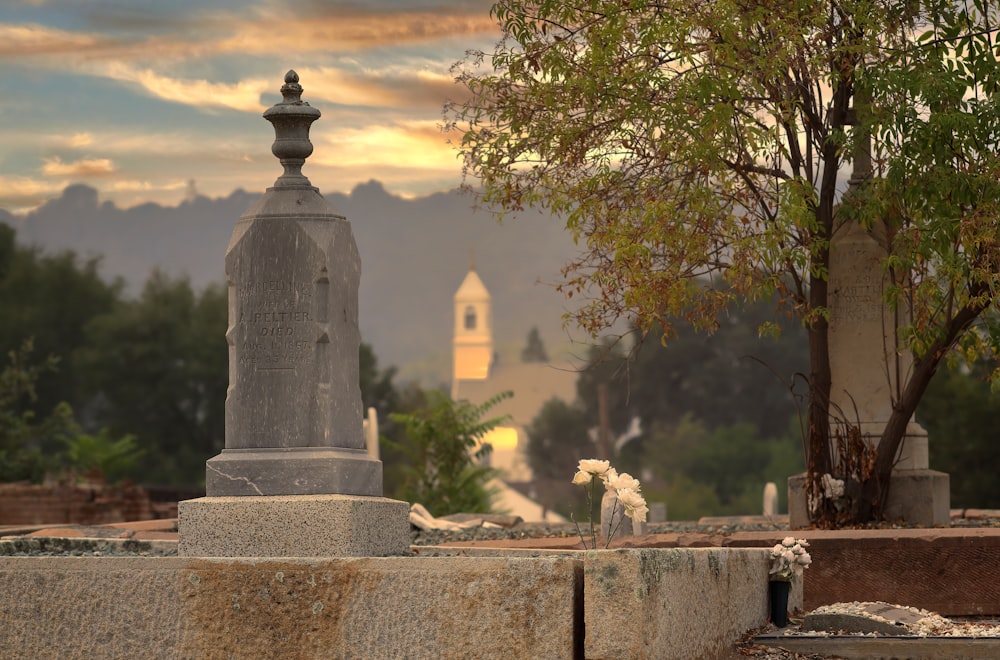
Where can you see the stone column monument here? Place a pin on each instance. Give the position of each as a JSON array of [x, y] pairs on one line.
[[869, 366], [295, 478]]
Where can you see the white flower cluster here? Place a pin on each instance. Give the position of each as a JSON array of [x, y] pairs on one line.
[[832, 488], [624, 486], [789, 558]]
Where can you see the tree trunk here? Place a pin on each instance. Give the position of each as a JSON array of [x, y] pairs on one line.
[[818, 414], [818, 457]]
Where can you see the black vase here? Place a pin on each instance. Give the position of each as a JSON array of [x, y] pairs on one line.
[[778, 591]]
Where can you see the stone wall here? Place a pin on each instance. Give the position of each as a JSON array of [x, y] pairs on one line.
[[606, 604], [672, 603]]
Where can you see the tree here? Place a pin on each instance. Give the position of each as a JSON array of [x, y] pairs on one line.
[[377, 389], [442, 440], [158, 364], [688, 141], [608, 367], [27, 444], [32, 449], [8, 248], [558, 438], [50, 298], [101, 456], [701, 469], [960, 405], [731, 376], [534, 349]]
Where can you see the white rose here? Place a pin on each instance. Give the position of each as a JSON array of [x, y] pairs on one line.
[[634, 503], [608, 476], [594, 466], [622, 481], [638, 514], [582, 478]]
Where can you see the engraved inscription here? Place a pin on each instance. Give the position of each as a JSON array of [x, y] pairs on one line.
[[858, 304], [861, 300], [274, 318]]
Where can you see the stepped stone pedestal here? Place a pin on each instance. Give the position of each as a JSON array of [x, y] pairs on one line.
[[920, 497], [294, 478], [294, 526]]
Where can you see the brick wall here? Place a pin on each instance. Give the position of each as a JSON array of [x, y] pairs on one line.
[[87, 504]]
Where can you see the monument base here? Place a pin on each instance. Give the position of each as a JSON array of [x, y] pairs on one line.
[[293, 471], [293, 526], [920, 497]]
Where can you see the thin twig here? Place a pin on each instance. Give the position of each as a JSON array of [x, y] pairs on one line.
[[612, 532], [578, 530]]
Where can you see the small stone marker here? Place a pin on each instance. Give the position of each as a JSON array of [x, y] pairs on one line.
[[657, 512], [770, 499], [614, 522], [295, 477], [371, 433]]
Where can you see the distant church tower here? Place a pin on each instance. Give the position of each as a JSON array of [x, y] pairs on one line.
[[473, 344]]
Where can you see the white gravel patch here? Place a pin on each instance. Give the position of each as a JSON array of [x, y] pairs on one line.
[[922, 623]]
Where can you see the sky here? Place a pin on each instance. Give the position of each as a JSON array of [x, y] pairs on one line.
[[152, 100]]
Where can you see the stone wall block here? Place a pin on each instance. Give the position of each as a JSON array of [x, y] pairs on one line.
[[672, 603]]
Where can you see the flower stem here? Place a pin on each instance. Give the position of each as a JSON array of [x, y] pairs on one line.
[[614, 530], [578, 531], [590, 509]]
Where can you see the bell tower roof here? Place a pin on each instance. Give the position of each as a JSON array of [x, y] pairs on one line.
[[472, 289]]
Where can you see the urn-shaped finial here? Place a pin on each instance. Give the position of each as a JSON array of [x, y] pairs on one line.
[[291, 120]]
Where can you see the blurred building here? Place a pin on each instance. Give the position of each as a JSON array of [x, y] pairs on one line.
[[478, 375]]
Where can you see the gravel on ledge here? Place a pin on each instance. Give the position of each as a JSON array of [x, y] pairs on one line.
[[122, 539], [717, 526]]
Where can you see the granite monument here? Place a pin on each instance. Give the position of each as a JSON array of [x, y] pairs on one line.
[[295, 461]]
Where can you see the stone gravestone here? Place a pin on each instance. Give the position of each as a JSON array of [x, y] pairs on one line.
[[295, 478], [869, 368]]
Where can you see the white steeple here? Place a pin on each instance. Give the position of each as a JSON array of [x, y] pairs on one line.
[[473, 342]]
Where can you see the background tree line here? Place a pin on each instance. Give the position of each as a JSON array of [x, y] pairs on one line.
[[135, 386], [96, 383], [80, 353]]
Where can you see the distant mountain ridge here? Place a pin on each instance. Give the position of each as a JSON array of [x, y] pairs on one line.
[[414, 252]]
